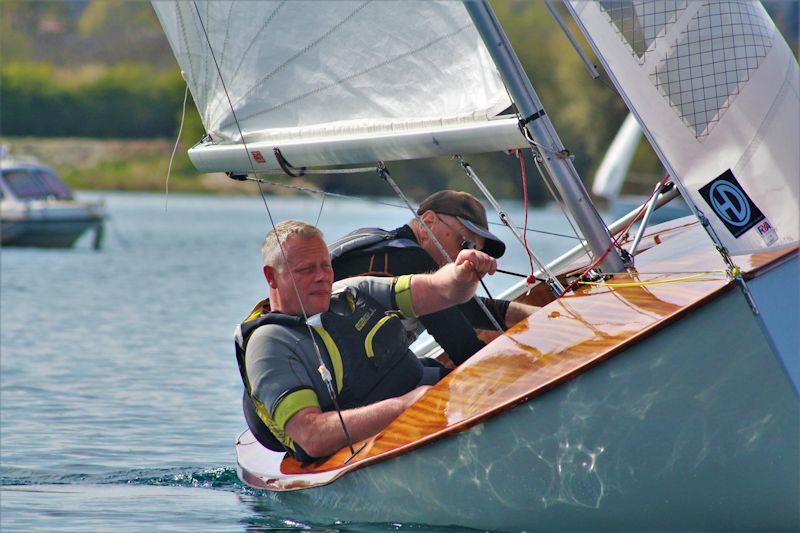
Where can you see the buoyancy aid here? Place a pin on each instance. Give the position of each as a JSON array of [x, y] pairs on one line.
[[369, 241], [368, 348]]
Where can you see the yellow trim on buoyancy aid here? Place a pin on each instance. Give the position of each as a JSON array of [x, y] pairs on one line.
[[272, 425], [368, 340], [402, 295], [293, 402], [288, 406], [334, 354]]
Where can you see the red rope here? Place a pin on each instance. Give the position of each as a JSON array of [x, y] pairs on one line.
[[620, 237], [532, 278]]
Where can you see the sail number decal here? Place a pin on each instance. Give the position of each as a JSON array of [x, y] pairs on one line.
[[731, 204]]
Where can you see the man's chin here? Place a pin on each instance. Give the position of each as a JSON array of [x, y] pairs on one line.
[[318, 305]]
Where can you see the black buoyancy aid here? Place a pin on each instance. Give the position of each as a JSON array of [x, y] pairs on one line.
[[359, 333], [368, 241]]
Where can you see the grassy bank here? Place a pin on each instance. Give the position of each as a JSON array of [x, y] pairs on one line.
[[139, 165]]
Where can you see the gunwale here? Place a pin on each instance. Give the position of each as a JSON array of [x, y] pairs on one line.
[[564, 339]]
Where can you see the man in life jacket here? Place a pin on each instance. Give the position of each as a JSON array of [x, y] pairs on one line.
[[317, 342], [458, 221]]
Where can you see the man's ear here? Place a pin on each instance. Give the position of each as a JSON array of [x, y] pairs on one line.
[[430, 219], [269, 273]]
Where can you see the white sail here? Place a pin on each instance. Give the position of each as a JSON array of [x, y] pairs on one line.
[[613, 170], [715, 88], [336, 82]]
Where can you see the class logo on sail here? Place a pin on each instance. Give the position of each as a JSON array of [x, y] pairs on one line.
[[731, 204]]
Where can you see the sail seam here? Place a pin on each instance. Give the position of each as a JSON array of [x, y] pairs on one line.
[[305, 50], [350, 77]]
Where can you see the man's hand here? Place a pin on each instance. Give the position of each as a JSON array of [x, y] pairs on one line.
[[452, 284], [472, 265]]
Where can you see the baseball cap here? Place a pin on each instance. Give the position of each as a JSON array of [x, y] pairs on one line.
[[469, 211]]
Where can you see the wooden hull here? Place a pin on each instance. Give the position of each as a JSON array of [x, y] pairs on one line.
[[689, 422]]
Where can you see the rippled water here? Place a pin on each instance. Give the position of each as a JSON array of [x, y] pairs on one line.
[[119, 394]]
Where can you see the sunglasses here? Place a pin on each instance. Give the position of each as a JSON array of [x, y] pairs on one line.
[[466, 244]]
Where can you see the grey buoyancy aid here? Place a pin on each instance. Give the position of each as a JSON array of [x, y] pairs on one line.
[[369, 241], [367, 346]]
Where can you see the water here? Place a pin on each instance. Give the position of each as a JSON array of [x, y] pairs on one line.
[[119, 393]]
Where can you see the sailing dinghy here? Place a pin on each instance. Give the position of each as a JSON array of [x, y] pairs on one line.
[[662, 394]]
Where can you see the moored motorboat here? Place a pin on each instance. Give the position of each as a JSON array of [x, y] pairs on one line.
[[38, 209]]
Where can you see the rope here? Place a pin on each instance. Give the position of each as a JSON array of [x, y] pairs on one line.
[[532, 277], [175, 148], [323, 370], [620, 237], [694, 276], [383, 172], [321, 206], [311, 190]]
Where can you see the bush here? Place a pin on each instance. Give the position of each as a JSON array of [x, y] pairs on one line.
[[127, 101]]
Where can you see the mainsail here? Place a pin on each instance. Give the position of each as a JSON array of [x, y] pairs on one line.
[[715, 88], [336, 82]]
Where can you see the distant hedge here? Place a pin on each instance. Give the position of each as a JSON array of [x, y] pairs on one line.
[[128, 101]]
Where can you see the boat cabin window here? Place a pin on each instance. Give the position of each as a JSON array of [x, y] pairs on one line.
[[54, 185], [39, 184]]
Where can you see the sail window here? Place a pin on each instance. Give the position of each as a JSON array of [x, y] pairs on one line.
[[640, 22], [712, 61]]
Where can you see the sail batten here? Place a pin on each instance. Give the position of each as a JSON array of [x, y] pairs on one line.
[[290, 71], [714, 87]]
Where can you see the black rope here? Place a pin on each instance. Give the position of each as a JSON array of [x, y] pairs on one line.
[[287, 167]]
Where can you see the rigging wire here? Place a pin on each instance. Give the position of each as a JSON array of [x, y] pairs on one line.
[[383, 172], [323, 370], [532, 277], [703, 276], [311, 190], [616, 242], [175, 148], [321, 206], [560, 202]]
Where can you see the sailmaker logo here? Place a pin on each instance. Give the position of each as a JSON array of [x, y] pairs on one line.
[[731, 204]]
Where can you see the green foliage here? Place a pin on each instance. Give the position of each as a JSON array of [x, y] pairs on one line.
[[128, 100]]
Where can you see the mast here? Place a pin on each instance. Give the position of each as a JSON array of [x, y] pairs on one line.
[[541, 130]]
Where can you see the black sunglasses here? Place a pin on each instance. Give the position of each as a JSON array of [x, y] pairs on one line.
[[466, 244]]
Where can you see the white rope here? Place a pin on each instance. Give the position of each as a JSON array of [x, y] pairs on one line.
[[175, 148]]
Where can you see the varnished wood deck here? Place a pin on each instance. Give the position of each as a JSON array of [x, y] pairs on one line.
[[563, 339]]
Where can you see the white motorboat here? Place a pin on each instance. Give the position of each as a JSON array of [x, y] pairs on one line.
[[38, 209]]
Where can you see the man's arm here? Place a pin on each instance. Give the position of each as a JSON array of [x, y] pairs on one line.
[[518, 312], [320, 433], [452, 284]]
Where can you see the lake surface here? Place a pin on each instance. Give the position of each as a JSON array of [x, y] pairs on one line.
[[119, 394]]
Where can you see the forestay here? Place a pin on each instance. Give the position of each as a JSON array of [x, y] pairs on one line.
[[715, 88], [336, 82]]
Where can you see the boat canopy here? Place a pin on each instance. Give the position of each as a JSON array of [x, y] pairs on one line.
[[714, 87], [332, 83]]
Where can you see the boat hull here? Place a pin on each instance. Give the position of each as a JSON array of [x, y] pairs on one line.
[[683, 430], [46, 233]]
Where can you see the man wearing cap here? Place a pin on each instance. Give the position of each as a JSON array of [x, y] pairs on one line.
[[458, 221]]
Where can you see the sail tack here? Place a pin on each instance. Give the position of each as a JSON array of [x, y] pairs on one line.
[[715, 88], [336, 82]]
